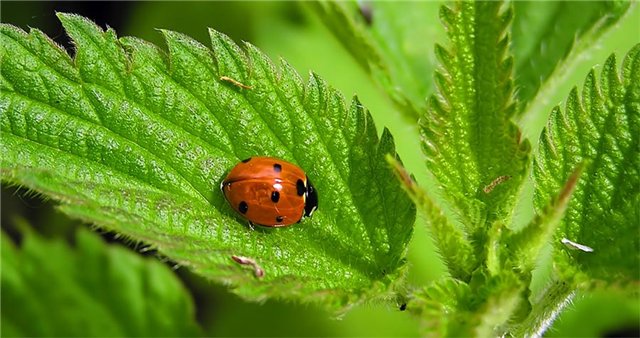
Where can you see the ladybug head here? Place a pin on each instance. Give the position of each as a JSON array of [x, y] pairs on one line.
[[311, 200]]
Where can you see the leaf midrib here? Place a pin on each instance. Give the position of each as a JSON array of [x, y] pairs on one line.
[[286, 103], [326, 152], [126, 174], [55, 111]]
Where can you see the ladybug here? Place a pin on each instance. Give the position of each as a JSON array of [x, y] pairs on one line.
[[270, 192]]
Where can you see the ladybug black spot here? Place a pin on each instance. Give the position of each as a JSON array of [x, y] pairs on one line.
[[277, 167], [300, 187], [243, 207], [246, 160], [279, 219], [275, 196]]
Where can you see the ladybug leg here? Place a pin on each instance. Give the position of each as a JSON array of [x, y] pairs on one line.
[[251, 226]]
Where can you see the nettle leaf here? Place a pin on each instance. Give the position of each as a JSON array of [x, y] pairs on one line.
[[441, 305], [501, 297], [589, 43], [545, 33], [89, 289], [525, 245], [452, 308], [138, 140], [453, 244], [600, 127], [383, 37], [472, 147]]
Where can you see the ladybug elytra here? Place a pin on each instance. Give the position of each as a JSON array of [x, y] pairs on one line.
[[269, 191]]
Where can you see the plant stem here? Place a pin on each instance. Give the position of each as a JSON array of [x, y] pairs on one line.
[[546, 308]]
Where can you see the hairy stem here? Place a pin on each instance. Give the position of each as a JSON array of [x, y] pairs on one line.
[[546, 308]]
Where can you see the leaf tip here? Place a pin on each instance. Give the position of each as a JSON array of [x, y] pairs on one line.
[[70, 19]]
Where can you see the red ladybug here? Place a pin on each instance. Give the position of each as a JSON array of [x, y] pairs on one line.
[[270, 192]]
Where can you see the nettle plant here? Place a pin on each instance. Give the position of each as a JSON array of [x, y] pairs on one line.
[[136, 139]]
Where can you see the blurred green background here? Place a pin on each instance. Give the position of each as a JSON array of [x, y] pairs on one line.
[[291, 31]]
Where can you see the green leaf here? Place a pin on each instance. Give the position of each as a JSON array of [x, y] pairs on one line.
[[600, 126], [590, 44], [472, 147], [494, 304], [388, 40], [454, 247], [545, 33], [137, 140], [451, 308], [526, 245], [439, 304], [524, 249], [50, 288]]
